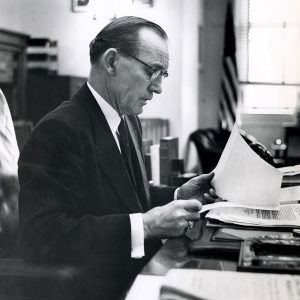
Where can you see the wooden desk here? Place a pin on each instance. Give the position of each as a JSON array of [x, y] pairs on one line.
[[174, 254]]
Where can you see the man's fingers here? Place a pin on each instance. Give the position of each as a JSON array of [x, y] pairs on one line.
[[193, 216], [203, 177], [191, 205]]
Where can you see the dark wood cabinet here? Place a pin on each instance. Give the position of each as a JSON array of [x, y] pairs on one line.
[[13, 71], [46, 91]]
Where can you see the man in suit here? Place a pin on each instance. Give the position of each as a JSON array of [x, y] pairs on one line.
[[84, 198]]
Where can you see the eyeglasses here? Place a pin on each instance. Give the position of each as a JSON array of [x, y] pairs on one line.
[[155, 73]]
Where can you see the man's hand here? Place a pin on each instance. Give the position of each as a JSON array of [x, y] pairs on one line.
[[199, 188], [170, 220]]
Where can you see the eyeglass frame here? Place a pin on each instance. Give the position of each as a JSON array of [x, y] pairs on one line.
[[159, 72]]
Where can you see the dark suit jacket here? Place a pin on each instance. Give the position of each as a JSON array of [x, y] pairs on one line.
[[75, 194]]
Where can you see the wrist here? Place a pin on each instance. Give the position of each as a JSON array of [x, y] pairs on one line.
[[146, 226]]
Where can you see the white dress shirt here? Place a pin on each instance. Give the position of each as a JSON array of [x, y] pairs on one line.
[[136, 220]]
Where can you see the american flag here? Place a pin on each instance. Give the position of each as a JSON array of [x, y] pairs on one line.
[[230, 84]]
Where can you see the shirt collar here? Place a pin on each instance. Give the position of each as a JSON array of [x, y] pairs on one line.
[[112, 117]]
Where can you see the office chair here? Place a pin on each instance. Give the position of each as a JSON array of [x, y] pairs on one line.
[[210, 143], [24, 280]]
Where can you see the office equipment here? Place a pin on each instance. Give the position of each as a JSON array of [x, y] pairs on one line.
[[213, 285], [42, 54], [277, 253], [240, 234]]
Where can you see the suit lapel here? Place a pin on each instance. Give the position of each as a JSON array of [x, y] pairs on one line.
[[109, 157]]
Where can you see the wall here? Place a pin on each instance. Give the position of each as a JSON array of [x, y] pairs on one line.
[[213, 37], [54, 19]]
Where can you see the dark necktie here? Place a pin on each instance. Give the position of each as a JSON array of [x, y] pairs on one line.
[[125, 148]]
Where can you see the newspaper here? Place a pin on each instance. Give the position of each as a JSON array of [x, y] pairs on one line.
[[287, 216], [226, 285]]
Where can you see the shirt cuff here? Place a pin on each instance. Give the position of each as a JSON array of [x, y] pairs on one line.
[[175, 193], [137, 235]]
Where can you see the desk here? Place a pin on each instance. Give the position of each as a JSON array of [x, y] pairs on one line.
[[174, 254]]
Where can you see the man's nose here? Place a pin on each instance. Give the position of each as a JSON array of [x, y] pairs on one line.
[[156, 86]]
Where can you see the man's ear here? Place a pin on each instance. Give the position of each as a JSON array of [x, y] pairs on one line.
[[109, 60]]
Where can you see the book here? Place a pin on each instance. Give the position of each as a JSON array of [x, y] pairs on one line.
[[168, 151], [184, 284]]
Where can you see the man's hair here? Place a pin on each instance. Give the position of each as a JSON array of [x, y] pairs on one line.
[[121, 33]]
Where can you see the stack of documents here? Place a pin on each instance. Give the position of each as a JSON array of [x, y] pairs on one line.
[[183, 284], [287, 216], [251, 188], [291, 175]]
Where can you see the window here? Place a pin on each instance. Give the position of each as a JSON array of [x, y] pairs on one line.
[[268, 54]]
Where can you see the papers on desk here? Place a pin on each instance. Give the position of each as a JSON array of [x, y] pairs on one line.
[[287, 216], [194, 284], [244, 178], [290, 170]]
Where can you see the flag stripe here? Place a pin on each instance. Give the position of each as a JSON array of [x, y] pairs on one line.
[[229, 84]]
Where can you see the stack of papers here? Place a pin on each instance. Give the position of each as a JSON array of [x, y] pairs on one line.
[[291, 175], [287, 216], [183, 284], [251, 188], [244, 178]]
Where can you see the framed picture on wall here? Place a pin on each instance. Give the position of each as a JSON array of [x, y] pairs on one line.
[[79, 5]]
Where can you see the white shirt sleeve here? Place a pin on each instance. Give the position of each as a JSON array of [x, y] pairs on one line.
[[137, 235], [175, 194], [9, 151]]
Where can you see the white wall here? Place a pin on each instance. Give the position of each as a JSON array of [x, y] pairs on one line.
[[73, 31]]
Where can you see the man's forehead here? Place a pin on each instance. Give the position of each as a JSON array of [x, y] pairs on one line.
[[153, 46]]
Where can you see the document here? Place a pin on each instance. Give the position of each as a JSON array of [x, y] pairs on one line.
[[290, 170], [243, 177], [145, 287], [194, 284], [288, 195], [287, 216]]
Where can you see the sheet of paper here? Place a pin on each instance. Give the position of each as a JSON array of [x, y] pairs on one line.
[[287, 195], [210, 206], [290, 170], [227, 285], [290, 194], [242, 176], [145, 287], [287, 216]]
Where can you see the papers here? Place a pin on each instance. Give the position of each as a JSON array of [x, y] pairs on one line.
[[145, 287], [290, 170], [287, 195], [243, 177], [287, 216], [225, 285], [290, 194]]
